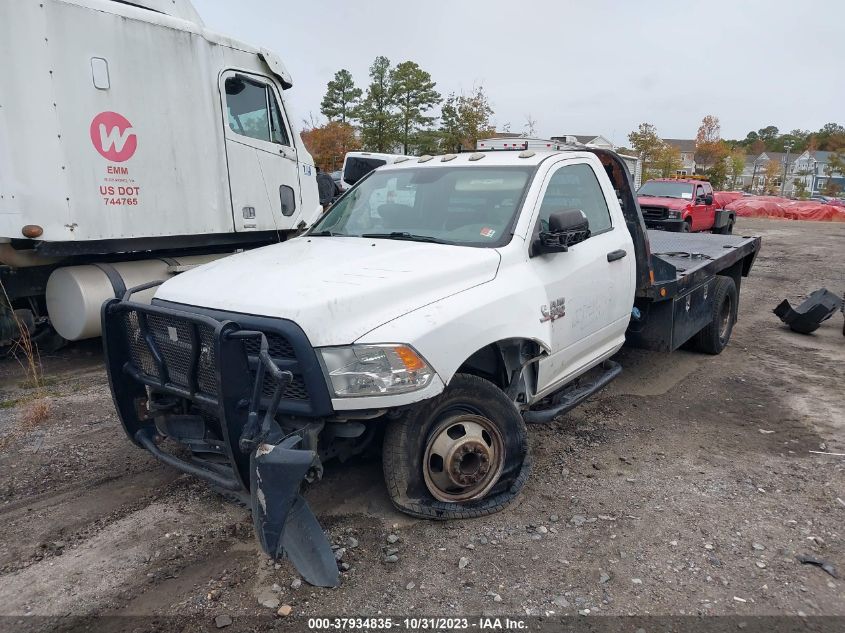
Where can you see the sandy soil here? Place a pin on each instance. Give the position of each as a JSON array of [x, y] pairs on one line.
[[686, 487]]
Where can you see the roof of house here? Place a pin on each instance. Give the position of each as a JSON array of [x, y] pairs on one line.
[[821, 156], [505, 135], [681, 144], [582, 138], [776, 156]]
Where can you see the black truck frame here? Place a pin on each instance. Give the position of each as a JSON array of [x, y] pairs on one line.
[[216, 387], [247, 397]]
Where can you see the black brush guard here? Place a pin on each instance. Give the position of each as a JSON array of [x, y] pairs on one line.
[[254, 456]]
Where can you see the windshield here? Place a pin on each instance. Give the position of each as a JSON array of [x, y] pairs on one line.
[[471, 206], [660, 189]]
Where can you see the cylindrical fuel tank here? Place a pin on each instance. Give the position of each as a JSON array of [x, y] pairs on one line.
[[75, 294]]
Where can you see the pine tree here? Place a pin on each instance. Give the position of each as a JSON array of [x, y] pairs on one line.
[[414, 96], [341, 97], [377, 112]]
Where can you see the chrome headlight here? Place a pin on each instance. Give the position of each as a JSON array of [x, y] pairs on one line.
[[374, 370], [674, 214]]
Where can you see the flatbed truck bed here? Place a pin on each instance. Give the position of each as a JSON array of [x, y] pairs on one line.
[[677, 304]]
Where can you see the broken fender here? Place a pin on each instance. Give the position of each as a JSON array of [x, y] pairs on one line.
[[284, 524], [808, 316]]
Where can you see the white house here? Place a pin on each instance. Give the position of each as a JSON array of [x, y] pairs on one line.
[[686, 147], [812, 168], [809, 167], [590, 140]]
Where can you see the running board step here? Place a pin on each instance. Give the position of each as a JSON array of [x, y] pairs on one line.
[[568, 400]]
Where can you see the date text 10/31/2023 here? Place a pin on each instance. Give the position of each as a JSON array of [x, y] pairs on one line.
[[418, 624]]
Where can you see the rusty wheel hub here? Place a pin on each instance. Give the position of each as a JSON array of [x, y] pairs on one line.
[[463, 458]]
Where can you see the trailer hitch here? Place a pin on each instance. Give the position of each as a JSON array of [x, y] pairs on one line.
[[283, 522]]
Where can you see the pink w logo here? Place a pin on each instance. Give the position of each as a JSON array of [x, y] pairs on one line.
[[112, 136]]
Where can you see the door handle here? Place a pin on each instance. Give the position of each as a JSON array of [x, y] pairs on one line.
[[615, 255]]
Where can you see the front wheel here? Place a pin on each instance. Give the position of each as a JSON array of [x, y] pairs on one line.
[[460, 455], [686, 226]]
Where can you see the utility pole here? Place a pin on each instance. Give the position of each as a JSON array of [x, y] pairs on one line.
[[812, 175], [787, 146], [754, 175]]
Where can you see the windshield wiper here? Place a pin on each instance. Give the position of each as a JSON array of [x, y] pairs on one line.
[[404, 235], [326, 234]]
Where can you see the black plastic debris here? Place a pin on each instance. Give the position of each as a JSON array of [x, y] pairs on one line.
[[807, 317], [810, 560]]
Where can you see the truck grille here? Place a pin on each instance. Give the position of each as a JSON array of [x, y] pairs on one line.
[[172, 336], [655, 213]]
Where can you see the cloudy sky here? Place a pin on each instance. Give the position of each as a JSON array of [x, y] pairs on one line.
[[588, 67]]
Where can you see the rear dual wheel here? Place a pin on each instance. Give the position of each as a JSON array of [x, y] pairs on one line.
[[462, 454], [727, 229], [716, 334]]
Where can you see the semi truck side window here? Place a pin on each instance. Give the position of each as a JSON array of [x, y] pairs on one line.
[[277, 126], [576, 187], [254, 112]]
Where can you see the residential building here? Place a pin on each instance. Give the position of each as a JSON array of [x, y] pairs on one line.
[[807, 167], [686, 147], [635, 165], [590, 140], [812, 168]]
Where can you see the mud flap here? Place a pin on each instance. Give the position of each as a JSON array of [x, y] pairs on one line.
[[284, 524]]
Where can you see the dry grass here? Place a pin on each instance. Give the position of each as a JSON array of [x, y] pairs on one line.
[[35, 412], [37, 408]]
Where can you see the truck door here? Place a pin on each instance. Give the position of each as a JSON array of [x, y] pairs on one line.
[[590, 288], [263, 167], [702, 213]]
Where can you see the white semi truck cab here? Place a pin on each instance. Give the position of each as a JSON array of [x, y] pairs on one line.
[[440, 305], [134, 143]]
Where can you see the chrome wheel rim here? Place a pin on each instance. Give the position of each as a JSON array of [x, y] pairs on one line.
[[463, 458]]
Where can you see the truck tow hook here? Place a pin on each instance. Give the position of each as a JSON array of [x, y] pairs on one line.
[[284, 524]]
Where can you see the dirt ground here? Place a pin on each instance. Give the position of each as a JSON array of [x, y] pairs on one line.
[[686, 487]]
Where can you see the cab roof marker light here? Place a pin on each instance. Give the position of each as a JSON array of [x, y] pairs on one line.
[[527, 153], [446, 158], [425, 158], [401, 159], [476, 156]]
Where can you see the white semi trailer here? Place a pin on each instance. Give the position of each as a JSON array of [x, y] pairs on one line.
[[134, 143]]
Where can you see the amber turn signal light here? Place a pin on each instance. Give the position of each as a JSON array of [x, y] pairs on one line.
[[32, 231]]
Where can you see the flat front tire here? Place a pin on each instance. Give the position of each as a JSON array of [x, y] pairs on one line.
[[460, 455]]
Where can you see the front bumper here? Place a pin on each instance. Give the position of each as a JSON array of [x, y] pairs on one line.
[[216, 386], [668, 224]]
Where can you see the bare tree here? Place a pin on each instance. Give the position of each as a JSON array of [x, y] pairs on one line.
[[530, 125]]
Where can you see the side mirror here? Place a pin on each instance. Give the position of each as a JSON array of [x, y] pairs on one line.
[[567, 227], [708, 199]]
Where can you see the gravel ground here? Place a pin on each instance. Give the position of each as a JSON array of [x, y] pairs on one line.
[[687, 487]]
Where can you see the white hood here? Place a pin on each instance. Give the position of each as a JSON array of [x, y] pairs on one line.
[[335, 288]]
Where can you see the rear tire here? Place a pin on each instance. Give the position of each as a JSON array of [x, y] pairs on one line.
[[725, 230], [472, 422], [716, 335]]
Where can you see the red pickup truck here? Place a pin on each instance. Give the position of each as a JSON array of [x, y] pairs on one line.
[[683, 204]]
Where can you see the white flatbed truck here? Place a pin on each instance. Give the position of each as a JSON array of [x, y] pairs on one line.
[[490, 291]]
